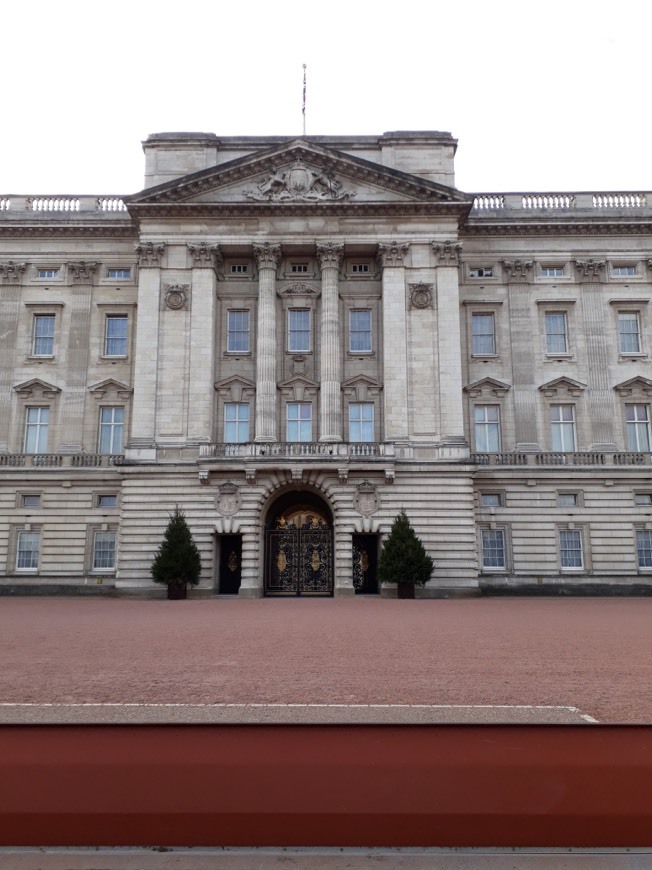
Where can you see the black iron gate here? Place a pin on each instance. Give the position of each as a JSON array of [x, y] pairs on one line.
[[365, 563], [230, 564], [299, 555]]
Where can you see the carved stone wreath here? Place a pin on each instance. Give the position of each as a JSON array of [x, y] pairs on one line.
[[366, 500], [176, 296], [421, 295], [229, 501]]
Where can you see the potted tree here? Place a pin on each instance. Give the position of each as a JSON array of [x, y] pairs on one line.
[[177, 561], [403, 559]]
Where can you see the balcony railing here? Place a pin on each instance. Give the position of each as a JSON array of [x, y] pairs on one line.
[[562, 458], [60, 460], [21, 206], [299, 449], [495, 204]]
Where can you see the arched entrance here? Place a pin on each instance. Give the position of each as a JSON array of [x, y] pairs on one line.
[[299, 546]]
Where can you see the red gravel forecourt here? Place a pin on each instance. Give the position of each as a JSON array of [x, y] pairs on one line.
[[591, 653]]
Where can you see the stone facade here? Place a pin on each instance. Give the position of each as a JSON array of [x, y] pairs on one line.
[[325, 329]]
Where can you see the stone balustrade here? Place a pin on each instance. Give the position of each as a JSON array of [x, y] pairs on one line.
[[60, 460], [21, 206], [562, 458], [491, 204], [290, 450]]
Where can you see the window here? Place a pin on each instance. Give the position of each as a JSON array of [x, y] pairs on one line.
[[359, 268], [119, 274], [623, 271], [43, 337], [493, 549], [239, 268], [638, 428], [107, 500], [115, 339], [361, 421], [481, 272], [491, 499], [30, 500], [27, 550], [556, 333], [36, 430], [298, 330], [104, 550], [360, 330], [236, 422], [299, 421], [111, 429], [644, 548], [570, 548], [629, 338], [487, 428], [568, 499], [643, 498], [49, 273], [298, 267], [552, 272], [562, 424], [483, 335], [237, 331]]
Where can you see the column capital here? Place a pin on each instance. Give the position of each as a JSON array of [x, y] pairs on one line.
[[149, 254], [329, 254], [391, 254], [447, 253], [589, 270], [81, 272], [267, 256], [517, 270], [205, 256], [11, 272]]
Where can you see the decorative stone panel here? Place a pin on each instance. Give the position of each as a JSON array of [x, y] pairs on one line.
[[176, 296], [366, 500], [228, 500], [421, 295]]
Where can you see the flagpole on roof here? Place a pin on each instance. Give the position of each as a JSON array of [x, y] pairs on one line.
[[303, 107]]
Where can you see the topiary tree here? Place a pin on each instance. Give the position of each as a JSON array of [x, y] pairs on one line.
[[403, 559], [177, 561]]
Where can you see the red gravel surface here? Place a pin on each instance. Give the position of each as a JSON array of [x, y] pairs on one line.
[[594, 654]]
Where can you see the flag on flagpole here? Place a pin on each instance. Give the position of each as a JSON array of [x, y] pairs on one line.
[[303, 107]]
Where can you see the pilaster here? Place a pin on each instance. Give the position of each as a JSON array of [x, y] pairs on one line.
[[329, 256], [267, 257], [11, 274], [395, 371], [518, 277]]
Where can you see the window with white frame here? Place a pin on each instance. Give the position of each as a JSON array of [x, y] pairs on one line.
[[237, 331], [493, 549], [115, 335], [119, 274], [43, 335], [644, 548], [28, 544], [299, 421], [104, 550], [112, 419], [486, 420], [360, 330], [299, 330], [571, 555], [629, 332], [483, 335], [236, 422], [360, 268], [239, 268], [552, 271], [298, 268], [638, 428], [623, 271], [481, 272], [562, 426], [361, 421], [36, 429], [48, 273], [556, 332]]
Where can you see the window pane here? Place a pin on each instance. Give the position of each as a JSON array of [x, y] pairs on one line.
[[644, 548], [36, 430], [299, 421], [116, 336], [490, 499], [487, 428], [638, 430], [562, 424], [360, 331], [361, 421], [299, 330], [493, 548], [27, 550], [104, 550], [237, 332], [43, 344], [570, 548], [628, 329], [111, 430], [556, 336], [483, 334], [236, 422]]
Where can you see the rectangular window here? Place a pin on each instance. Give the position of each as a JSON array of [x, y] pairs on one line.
[[360, 330], [556, 333], [359, 268], [483, 335], [29, 500], [237, 331], [570, 548], [361, 421], [43, 337], [49, 273], [239, 269], [567, 499], [107, 500], [298, 267], [644, 548], [36, 430], [104, 551], [119, 274], [552, 272], [481, 272], [623, 271], [490, 499], [299, 330], [299, 421], [27, 551], [115, 338], [562, 424], [111, 429], [236, 422], [643, 498], [629, 334], [638, 428], [493, 549], [487, 428]]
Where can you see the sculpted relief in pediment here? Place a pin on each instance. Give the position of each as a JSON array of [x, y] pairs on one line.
[[299, 183]]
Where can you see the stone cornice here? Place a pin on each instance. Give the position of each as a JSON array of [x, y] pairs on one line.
[[300, 209], [579, 228], [39, 231]]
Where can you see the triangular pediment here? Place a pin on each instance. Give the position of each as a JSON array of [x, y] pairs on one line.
[[297, 174], [109, 385], [635, 386], [36, 387], [562, 385], [487, 386], [235, 388]]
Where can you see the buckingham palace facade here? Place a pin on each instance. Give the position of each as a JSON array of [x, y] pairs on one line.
[[294, 339]]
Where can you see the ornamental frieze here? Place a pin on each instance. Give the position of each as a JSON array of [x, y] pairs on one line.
[[176, 296], [300, 183], [298, 288]]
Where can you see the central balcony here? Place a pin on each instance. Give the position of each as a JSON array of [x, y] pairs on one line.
[[298, 449]]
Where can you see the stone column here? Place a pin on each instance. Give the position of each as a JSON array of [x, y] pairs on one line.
[[449, 342], [330, 405], [601, 405], [10, 280], [395, 378], [74, 396], [143, 419], [518, 277], [205, 259], [267, 257]]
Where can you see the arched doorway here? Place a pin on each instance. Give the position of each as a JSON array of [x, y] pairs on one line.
[[299, 546]]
